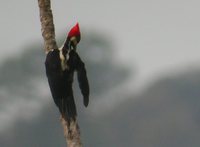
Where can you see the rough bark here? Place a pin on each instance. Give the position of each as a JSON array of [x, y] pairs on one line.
[[71, 132], [46, 19], [71, 129]]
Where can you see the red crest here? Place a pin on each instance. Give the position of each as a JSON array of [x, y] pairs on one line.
[[74, 32]]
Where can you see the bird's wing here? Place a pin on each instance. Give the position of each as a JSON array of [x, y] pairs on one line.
[[82, 79]]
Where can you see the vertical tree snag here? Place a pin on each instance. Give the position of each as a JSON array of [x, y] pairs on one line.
[[71, 132], [71, 129], [46, 19]]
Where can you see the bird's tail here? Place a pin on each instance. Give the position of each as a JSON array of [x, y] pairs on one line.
[[68, 108]]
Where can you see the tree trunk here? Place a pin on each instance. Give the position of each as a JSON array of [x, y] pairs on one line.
[[71, 132], [46, 19], [71, 129]]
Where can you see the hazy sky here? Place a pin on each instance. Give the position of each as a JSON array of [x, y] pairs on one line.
[[153, 35]]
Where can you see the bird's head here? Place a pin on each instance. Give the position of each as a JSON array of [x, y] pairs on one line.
[[74, 37]]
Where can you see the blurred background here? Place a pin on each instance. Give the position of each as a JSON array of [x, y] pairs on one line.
[[142, 59]]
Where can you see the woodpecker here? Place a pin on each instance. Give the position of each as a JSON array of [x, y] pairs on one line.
[[60, 66]]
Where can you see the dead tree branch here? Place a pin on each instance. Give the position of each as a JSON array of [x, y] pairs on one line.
[[71, 132], [46, 19]]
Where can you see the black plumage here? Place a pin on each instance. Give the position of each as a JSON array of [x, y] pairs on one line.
[[60, 80]]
